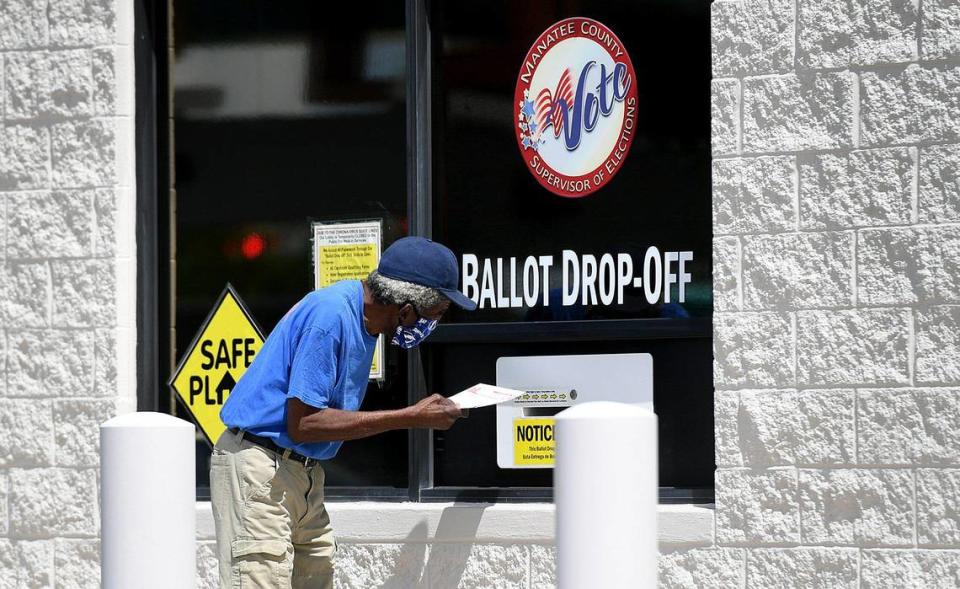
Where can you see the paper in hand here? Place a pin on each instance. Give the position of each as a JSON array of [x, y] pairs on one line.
[[481, 395]]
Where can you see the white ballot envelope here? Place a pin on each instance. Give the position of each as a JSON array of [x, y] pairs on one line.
[[481, 395]]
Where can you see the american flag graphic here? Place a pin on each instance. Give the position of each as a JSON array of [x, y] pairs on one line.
[[548, 110]]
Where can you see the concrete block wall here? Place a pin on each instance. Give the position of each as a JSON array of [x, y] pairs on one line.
[[836, 142], [417, 564], [67, 276], [476, 546], [428, 546]]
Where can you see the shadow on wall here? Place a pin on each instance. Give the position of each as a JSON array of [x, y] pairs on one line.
[[413, 551], [458, 525], [454, 537], [406, 564]]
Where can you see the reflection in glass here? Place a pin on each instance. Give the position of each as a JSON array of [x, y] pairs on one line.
[[285, 113]]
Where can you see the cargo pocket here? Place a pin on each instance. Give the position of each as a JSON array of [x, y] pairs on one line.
[[260, 564], [256, 469]]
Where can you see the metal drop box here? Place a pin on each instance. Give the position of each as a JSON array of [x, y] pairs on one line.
[[553, 383]]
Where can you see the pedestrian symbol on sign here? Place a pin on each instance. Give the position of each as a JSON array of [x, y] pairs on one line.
[[220, 353]]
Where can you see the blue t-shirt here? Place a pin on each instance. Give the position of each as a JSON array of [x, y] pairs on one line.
[[320, 353]]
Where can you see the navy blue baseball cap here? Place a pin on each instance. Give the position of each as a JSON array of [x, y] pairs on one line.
[[427, 263]]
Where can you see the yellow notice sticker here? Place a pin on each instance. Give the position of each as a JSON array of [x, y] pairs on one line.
[[221, 352], [348, 251], [533, 443], [346, 262]]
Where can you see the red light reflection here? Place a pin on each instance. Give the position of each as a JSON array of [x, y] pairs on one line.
[[252, 246]]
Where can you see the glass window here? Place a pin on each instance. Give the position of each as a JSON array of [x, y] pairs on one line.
[[488, 205], [285, 113], [288, 113]]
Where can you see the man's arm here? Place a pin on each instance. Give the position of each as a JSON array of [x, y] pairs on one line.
[[308, 424]]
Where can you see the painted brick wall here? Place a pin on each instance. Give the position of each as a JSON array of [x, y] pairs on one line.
[[67, 276], [836, 141]]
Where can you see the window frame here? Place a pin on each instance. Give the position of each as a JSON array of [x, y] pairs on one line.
[[151, 34], [155, 315]]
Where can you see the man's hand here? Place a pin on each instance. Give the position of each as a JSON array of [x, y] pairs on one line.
[[306, 424], [436, 412]]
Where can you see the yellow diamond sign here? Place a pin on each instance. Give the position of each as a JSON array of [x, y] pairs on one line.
[[220, 353]]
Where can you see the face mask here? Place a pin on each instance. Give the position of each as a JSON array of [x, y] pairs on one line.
[[410, 337]]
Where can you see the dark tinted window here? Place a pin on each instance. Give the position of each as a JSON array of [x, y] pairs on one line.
[[487, 203], [284, 113]]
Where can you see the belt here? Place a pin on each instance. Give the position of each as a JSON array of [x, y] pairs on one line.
[[270, 445]]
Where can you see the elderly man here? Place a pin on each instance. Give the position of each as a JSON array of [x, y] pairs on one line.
[[300, 399]]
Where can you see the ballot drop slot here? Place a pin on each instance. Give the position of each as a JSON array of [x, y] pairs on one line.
[[550, 384]]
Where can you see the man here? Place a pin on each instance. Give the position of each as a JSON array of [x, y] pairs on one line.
[[300, 399]]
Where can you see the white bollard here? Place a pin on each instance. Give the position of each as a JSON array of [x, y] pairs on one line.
[[605, 491], [148, 502]]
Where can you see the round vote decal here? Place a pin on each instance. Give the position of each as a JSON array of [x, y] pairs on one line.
[[575, 107]]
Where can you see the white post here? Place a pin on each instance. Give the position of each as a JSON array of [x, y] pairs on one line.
[[148, 502], [605, 490]]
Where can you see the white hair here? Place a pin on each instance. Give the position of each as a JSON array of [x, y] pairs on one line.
[[390, 291]]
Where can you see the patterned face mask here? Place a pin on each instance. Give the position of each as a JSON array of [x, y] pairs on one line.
[[410, 337]]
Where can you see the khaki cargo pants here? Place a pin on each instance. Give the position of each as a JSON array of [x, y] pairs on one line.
[[272, 527]]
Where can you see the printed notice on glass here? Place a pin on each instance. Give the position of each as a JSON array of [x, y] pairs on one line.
[[348, 251]]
